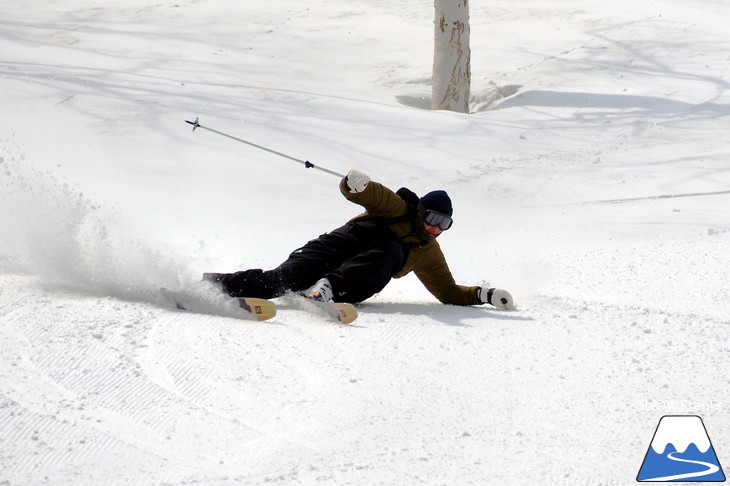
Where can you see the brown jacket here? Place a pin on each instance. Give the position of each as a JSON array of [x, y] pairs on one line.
[[425, 258]]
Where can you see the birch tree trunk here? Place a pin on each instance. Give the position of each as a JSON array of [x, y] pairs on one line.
[[451, 56]]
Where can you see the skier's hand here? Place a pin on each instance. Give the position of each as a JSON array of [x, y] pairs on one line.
[[499, 298], [356, 181]]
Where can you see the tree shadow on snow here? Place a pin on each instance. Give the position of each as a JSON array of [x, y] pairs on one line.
[[655, 104], [610, 57]]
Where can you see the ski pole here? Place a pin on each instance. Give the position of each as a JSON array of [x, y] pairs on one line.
[[307, 164]]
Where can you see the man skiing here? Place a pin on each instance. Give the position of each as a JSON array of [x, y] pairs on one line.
[[394, 236]]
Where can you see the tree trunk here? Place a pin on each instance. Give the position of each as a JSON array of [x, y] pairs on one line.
[[451, 56]]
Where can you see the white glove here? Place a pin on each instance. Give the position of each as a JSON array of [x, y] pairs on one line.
[[356, 181], [499, 298]]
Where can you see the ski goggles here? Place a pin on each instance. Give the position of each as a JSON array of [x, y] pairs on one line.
[[434, 218]]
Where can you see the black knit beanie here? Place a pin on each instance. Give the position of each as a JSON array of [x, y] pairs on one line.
[[438, 201]]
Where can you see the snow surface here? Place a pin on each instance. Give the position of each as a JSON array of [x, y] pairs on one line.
[[592, 180]]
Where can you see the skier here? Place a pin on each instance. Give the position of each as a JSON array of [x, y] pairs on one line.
[[394, 236]]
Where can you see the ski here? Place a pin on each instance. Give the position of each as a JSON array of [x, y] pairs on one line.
[[342, 312], [249, 308], [261, 309], [252, 308]]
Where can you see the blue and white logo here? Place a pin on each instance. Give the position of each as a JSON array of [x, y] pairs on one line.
[[681, 451]]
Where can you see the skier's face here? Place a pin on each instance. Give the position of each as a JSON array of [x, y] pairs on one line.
[[433, 231]]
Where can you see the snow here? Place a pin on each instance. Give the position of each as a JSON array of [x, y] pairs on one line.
[[591, 180]]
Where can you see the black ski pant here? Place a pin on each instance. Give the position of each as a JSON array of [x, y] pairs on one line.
[[359, 259]]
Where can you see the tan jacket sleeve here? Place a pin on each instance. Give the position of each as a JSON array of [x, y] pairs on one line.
[[434, 273], [378, 200]]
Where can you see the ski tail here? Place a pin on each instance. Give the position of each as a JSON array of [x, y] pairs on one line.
[[250, 308], [260, 309]]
